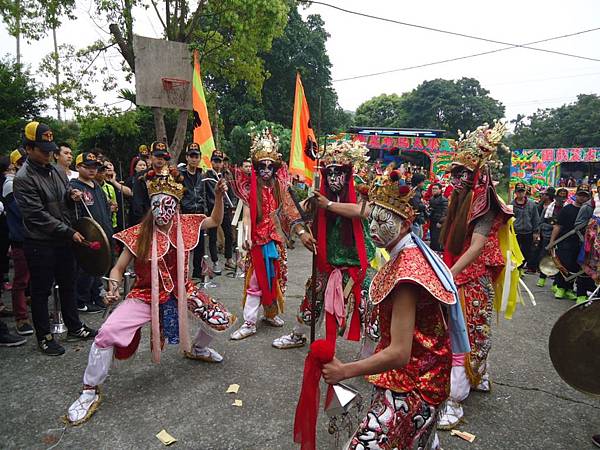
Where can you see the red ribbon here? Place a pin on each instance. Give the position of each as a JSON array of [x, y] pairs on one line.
[[307, 410]]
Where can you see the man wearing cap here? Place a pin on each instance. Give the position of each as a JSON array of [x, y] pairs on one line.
[[140, 203], [46, 204], [527, 223], [567, 250], [212, 176], [95, 201], [548, 219], [16, 235], [193, 201]]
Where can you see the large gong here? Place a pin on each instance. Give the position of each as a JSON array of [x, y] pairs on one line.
[[94, 255], [575, 347]]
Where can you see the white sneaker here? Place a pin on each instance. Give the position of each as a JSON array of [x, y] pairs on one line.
[[451, 415], [275, 321], [291, 340], [247, 329], [84, 407], [206, 354]]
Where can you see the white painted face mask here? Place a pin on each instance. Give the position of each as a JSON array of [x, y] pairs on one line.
[[385, 226], [163, 208]]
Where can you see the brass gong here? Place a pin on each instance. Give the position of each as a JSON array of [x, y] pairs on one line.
[[94, 255], [575, 347]]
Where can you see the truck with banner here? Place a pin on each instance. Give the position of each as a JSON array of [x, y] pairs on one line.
[[566, 167], [421, 150]]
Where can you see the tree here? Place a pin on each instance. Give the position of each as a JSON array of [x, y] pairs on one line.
[[450, 105], [33, 20], [381, 111], [229, 35], [572, 125], [21, 102], [302, 49], [240, 139]]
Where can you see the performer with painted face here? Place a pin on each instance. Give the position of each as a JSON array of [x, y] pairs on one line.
[[343, 255], [267, 207], [416, 300], [162, 295], [473, 252]]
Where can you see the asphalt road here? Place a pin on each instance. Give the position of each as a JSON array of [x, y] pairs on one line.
[[529, 407]]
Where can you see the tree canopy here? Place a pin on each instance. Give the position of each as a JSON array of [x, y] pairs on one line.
[[21, 102], [573, 125], [440, 104]]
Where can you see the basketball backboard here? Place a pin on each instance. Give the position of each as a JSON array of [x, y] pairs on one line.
[[159, 64]]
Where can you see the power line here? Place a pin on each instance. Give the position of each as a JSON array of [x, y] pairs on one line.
[[418, 66], [454, 33]]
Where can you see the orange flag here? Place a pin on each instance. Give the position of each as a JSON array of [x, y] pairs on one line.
[[202, 131], [304, 144]]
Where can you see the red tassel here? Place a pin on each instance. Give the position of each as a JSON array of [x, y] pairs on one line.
[[307, 410]]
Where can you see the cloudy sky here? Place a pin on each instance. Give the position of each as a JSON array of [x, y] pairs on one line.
[[522, 79]]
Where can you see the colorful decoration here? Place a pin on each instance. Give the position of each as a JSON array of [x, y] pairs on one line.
[[202, 131], [538, 167]]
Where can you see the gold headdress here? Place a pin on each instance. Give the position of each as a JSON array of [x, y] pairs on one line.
[[476, 148], [165, 182], [346, 153], [265, 146], [386, 193]]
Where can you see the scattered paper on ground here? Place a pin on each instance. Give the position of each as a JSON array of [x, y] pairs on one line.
[[233, 389], [237, 402], [463, 435], [165, 438]]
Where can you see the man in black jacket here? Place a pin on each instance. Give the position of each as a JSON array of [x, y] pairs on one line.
[[140, 202], [46, 204], [193, 201], [217, 159], [438, 207]]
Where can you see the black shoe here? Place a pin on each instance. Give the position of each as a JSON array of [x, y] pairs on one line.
[[10, 340], [92, 308], [82, 308], [596, 440], [49, 346], [5, 312], [24, 328], [83, 334], [100, 304]]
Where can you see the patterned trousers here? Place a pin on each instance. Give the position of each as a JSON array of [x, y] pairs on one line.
[[396, 421]]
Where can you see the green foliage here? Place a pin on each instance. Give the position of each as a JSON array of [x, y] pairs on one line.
[[381, 111], [573, 125], [300, 49], [119, 134], [238, 145], [33, 19], [21, 102], [440, 104]]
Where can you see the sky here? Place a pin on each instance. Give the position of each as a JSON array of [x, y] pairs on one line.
[[522, 79]]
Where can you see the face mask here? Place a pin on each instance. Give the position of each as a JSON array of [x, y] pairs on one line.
[[163, 208], [336, 178], [385, 226], [461, 178], [266, 170]]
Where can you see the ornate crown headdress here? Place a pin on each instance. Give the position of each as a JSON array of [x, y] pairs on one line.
[[387, 193], [346, 153], [265, 146], [165, 182], [476, 148]]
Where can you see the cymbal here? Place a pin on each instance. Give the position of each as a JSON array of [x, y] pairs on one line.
[[94, 257], [574, 347]]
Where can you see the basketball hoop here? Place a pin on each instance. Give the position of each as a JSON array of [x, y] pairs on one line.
[[176, 90]]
